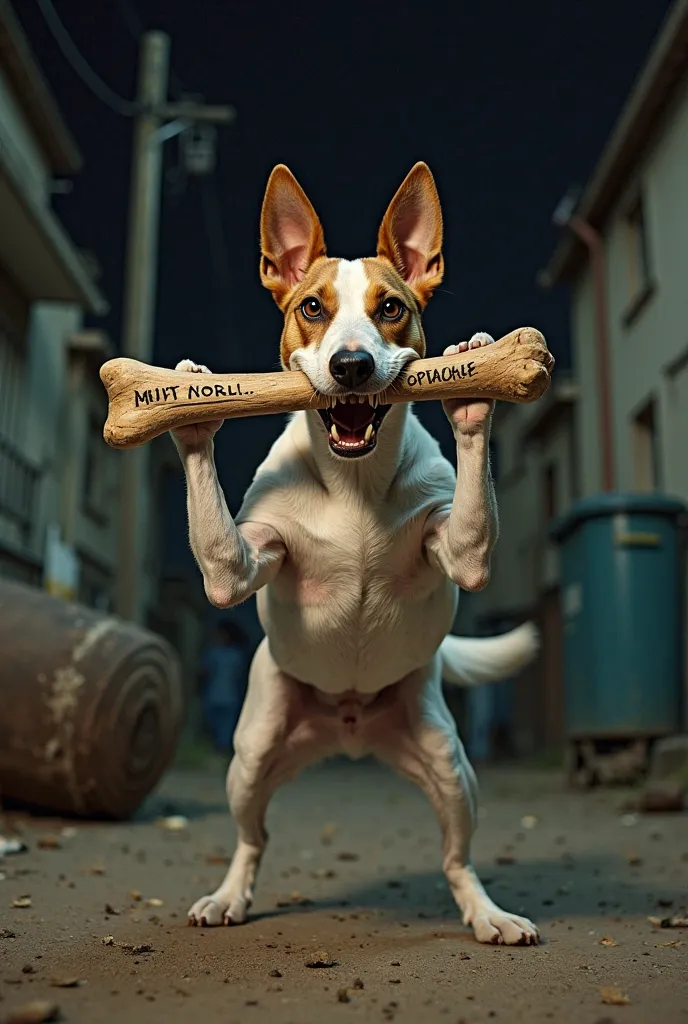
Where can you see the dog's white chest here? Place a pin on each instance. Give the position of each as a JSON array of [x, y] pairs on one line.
[[356, 605]]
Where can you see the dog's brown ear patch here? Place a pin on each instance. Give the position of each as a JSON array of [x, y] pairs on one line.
[[291, 235], [410, 235]]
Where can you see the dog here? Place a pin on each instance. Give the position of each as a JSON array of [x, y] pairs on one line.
[[356, 535]]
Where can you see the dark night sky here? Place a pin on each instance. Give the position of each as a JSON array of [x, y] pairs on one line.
[[508, 102]]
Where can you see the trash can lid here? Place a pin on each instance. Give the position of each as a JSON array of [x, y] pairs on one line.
[[612, 503]]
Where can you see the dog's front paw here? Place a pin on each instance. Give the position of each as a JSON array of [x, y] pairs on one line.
[[195, 435], [188, 366], [478, 340]]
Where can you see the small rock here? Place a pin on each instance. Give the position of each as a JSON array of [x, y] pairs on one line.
[[347, 856], [34, 1013], [343, 996], [7, 933], [21, 902], [675, 921], [11, 846], [613, 996], [49, 842], [275, 973], [174, 823], [529, 821], [136, 896], [358, 983], [607, 941], [154, 902], [108, 940], [328, 833], [65, 982], [109, 909], [321, 959]]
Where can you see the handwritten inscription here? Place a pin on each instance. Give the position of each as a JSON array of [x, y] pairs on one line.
[[446, 374], [187, 393]]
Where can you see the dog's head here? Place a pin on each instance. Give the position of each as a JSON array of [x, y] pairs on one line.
[[351, 325]]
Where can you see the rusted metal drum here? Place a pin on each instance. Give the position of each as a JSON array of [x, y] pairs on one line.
[[91, 707]]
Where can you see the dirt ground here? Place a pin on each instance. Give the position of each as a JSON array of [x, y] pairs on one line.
[[355, 858]]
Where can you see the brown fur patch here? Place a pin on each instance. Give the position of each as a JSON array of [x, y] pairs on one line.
[[386, 283], [298, 331]]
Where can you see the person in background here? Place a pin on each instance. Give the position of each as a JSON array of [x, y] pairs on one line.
[[224, 673]]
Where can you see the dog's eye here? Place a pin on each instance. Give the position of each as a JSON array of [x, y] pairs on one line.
[[392, 309], [311, 308]]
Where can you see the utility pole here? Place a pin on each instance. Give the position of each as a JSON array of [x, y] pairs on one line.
[[156, 121]]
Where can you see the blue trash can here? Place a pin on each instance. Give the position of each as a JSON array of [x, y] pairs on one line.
[[622, 572]]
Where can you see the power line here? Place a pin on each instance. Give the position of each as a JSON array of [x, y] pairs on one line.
[[81, 66]]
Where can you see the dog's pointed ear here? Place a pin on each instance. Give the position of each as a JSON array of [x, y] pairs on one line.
[[410, 235], [291, 236]]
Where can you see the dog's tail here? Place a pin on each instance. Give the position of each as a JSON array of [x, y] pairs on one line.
[[470, 661]]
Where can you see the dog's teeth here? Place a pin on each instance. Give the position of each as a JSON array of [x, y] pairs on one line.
[[369, 432], [361, 399], [334, 432]]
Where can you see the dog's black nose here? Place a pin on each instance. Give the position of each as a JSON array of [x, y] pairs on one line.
[[351, 369]]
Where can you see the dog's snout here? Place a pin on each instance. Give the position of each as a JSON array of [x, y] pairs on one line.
[[351, 369]]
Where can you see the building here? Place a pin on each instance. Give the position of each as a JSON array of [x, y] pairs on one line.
[[550, 454]]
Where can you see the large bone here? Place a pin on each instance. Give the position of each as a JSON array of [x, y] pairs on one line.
[[146, 401]]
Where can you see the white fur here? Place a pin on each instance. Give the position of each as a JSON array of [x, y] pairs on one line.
[[351, 328], [357, 566]]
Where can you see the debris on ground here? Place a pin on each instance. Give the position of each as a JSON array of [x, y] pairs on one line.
[[613, 996], [65, 982], [174, 823], [320, 959], [21, 902], [358, 983], [607, 941], [11, 846], [347, 856], [343, 995], [34, 1013], [328, 833], [109, 909], [529, 821], [295, 899], [108, 940], [49, 842], [675, 921]]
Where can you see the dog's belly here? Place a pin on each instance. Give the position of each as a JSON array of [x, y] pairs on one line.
[[353, 639]]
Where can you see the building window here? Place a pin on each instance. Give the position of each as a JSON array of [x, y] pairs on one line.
[[640, 277], [645, 449], [549, 492]]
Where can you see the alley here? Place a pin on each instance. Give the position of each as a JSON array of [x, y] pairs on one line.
[[94, 915]]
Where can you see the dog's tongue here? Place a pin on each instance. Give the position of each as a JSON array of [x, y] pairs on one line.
[[353, 419]]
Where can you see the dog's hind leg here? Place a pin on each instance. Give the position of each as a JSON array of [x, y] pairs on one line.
[[279, 733], [420, 741]]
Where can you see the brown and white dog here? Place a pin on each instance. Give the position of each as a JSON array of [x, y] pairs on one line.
[[356, 534]]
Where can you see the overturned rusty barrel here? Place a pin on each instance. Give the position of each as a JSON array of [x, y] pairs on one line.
[[91, 707]]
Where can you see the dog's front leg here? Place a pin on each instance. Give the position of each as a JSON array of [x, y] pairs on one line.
[[460, 539]]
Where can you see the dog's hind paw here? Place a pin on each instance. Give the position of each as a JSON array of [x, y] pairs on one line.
[[219, 909], [490, 924]]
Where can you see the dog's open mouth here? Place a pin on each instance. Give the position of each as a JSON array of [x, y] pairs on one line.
[[352, 424]]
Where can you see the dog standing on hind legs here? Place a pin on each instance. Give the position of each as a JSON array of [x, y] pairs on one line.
[[356, 536]]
